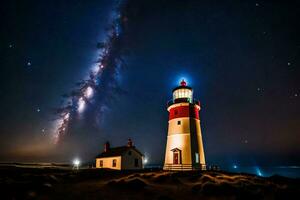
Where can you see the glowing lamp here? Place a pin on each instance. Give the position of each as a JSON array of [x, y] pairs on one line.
[[145, 161], [76, 163], [183, 92]]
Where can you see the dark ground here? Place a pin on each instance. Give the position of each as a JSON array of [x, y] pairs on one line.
[[65, 183]]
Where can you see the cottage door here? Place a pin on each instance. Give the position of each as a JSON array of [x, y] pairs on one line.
[[176, 157]]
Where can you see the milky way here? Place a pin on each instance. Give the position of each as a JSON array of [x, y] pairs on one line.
[[102, 82]]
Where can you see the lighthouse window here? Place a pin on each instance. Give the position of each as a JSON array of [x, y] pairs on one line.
[[197, 157], [178, 122], [101, 163]]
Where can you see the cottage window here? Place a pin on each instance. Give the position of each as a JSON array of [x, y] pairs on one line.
[[101, 163], [136, 162], [197, 157], [178, 122], [114, 163]]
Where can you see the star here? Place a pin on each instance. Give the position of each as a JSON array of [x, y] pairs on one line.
[[256, 4], [246, 141], [43, 130], [296, 95], [288, 63], [10, 46], [28, 63], [38, 110], [258, 89]]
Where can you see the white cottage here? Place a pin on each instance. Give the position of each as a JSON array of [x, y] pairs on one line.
[[120, 158]]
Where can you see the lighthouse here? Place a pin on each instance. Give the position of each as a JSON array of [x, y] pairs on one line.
[[184, 150]]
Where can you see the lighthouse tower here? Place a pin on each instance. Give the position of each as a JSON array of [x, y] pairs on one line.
[[184, 150]]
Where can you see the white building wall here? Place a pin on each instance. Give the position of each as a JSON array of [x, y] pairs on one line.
[[108, 162], [200, 144], [179, 137], [124, 162], [128, 161]]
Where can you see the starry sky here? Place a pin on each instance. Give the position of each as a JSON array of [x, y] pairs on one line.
[[241, 58]]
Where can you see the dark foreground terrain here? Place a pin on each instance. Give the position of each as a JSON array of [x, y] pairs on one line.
[[60, 183]]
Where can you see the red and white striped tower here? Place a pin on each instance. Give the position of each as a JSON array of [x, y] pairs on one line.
[[184, 150]]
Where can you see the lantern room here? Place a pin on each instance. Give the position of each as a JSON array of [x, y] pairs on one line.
[[183, 92]]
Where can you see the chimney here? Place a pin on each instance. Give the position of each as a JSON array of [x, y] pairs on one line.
[[106, 146], [129, 143]]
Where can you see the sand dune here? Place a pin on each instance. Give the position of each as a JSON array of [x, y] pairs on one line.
[[58, 183]]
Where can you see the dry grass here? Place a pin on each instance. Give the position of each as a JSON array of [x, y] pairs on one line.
[[22, 183]]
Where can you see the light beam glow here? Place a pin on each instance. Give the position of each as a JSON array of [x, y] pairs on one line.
[[258, 172]]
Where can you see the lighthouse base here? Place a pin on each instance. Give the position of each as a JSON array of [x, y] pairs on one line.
[[183, 167]]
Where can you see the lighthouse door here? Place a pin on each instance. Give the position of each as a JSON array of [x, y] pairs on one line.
[[176, 157]]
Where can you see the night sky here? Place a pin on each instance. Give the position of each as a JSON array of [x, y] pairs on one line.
[[240, 57]]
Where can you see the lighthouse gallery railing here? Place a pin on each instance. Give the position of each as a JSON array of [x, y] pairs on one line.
[[183, 100], [182, 167]]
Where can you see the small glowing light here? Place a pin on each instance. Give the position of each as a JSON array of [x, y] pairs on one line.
[[258, 172], [76, 163], [28, 63], [235, 166], [81, 104], [101, 66], [145, 161], [288, 63], [88, 92], [38, 110]]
